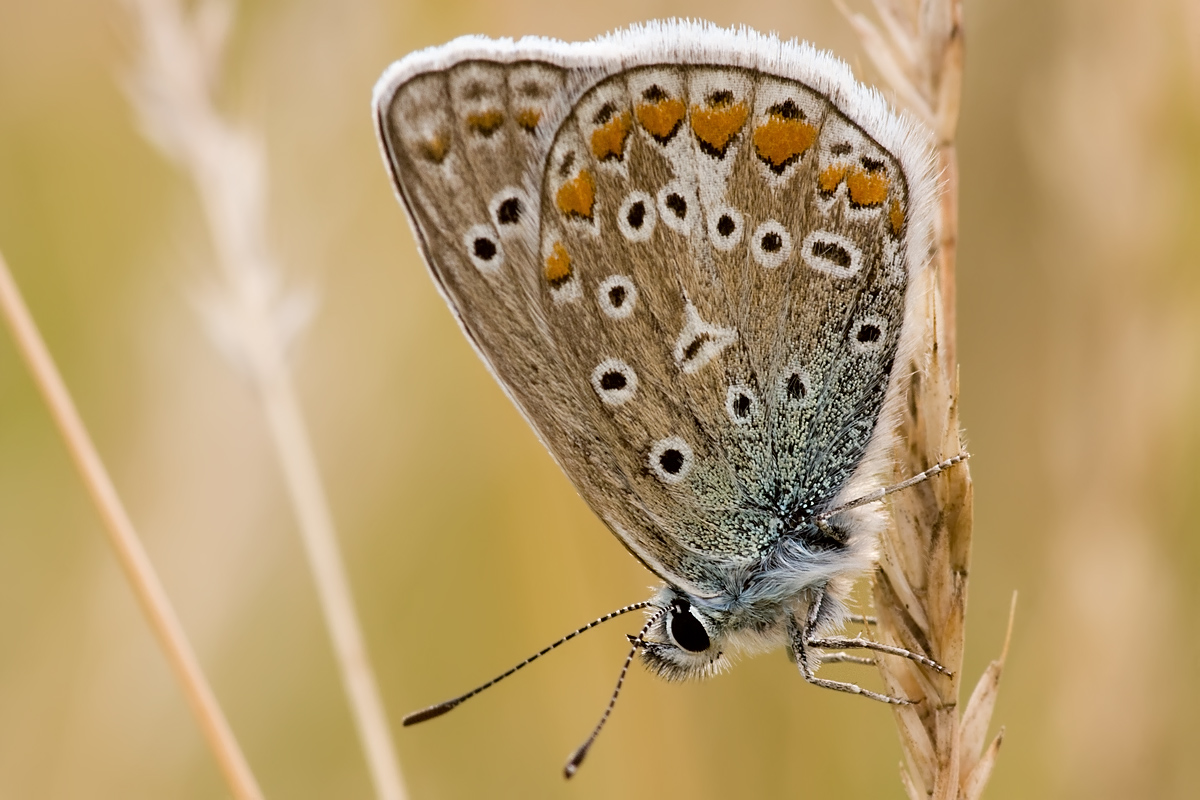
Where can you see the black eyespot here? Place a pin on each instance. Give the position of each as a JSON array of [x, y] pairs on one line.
[[654, 94], [610, 381], [832, 251], [787, 110], [568, 161], [671, 461], [485, 249], [676, 203], [604, 114], [772, 243], [686, 630], [637, 215], [796, 388], [722, 97], [509, 212], [615, 382], [694, 346], [868, 333], [841, 149], [741, 406], [617, 296], [871, 164], [726, 225]]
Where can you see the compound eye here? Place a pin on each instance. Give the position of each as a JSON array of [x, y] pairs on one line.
[[686, 630]]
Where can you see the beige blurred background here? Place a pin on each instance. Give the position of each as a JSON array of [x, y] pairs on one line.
[[468, 550]]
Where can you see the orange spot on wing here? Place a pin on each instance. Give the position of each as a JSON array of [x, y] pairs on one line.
[[528, 118], [608, 141], [830, 177], [867, 188], [558, 266], [780, 141], [577, 196], [436, 148], [485, 122], [896, 217], [717, 124], [661, 118]]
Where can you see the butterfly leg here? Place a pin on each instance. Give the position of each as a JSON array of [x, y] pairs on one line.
[[816, 611], [800, 648], [857, 643], [846, 658]]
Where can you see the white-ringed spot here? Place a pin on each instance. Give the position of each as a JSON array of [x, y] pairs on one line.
[[677, 207], [797, 386], [831, 253], [615, 382], [869, 334], [771, 244], [508, 208], [699, 342], [671, 459], [617, 296], [725, 228], [741, 404], [637, 217], [484, 249]]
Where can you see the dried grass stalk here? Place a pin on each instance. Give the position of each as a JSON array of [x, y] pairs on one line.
[[172, 90], [132, 556], [921, 581]]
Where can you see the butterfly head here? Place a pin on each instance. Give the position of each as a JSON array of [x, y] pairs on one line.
[[685, 641]]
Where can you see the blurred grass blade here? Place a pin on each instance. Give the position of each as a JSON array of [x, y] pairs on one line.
[[125, 541], [172, 91]]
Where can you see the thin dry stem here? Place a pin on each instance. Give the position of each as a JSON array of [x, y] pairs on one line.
[[921, 582], [126, 543], [172, 91]]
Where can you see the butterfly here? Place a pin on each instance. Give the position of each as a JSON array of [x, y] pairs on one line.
[[696, 260]]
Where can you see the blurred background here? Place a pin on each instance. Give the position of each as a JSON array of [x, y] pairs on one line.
[[1080, 348]]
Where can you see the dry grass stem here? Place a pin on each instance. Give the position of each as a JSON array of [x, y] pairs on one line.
[[921, 582], [124, 538], [172, 91]]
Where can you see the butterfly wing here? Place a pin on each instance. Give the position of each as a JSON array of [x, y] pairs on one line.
[[465, 131], [693, 278]]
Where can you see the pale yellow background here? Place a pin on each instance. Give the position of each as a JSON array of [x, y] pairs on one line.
[[1080, 310]]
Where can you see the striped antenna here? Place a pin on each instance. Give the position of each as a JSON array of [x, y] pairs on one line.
[[442, 708], [581, 752]]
